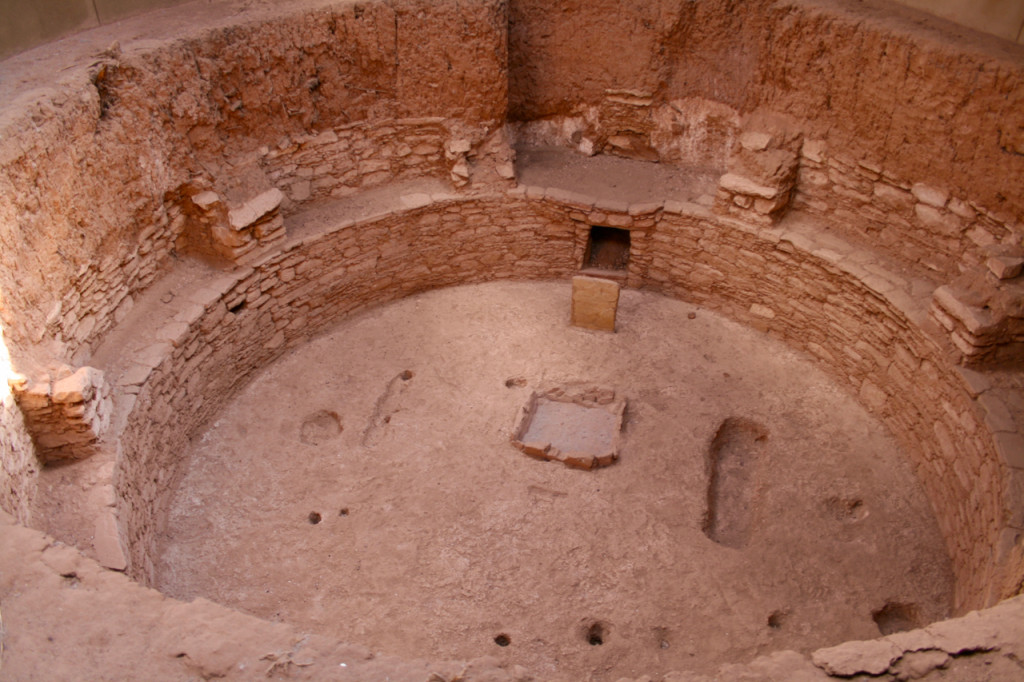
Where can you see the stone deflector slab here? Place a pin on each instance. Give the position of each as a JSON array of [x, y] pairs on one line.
[[595, 302]]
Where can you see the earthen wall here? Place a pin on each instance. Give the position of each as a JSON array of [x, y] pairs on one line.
[[901, 101], [31, 22], [869, 79], [73, 256]]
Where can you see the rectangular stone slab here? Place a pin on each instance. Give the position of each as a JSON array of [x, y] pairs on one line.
[[595, 302]]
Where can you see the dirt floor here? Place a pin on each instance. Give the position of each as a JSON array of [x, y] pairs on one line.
[[365, 487]]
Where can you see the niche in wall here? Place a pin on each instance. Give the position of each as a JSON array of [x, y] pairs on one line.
[[607, 249]]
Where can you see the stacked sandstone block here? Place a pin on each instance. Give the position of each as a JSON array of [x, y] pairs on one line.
[[102, 292], [983, 309], [761, 176], [926, 223], [234, 230], [66, 413], [350, 157]]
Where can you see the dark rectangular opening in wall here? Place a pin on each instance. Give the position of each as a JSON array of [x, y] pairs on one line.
[[607, 249]]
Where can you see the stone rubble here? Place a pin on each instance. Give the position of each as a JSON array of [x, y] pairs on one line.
[[232, 233]]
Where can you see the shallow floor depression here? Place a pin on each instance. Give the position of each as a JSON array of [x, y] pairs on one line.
[[365, 487]]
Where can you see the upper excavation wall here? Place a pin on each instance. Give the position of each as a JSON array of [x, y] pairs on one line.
[[341, 97], [241, 97], [26, 23], [874, 80]]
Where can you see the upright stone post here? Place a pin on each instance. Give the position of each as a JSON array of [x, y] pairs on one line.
[[595, 302]]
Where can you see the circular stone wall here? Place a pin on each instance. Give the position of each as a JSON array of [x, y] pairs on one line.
[[254, 315], [387, 169], [754, 506]]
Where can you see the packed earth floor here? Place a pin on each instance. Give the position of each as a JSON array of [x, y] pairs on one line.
[[364, 486]]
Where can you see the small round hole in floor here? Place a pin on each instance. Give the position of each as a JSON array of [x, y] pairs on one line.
[[596, 634], [406, 375], [661, 635], [502, 640], [343, 512], [320, 427], [314, 517]]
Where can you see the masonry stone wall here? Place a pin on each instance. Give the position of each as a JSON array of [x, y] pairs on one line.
[[858, 319], [926, 224], [19, 467], [859, 316], [341, 161], [244, 320], [66, 411], [873, 347], [876, 83], [127, 128], [99, 168]]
